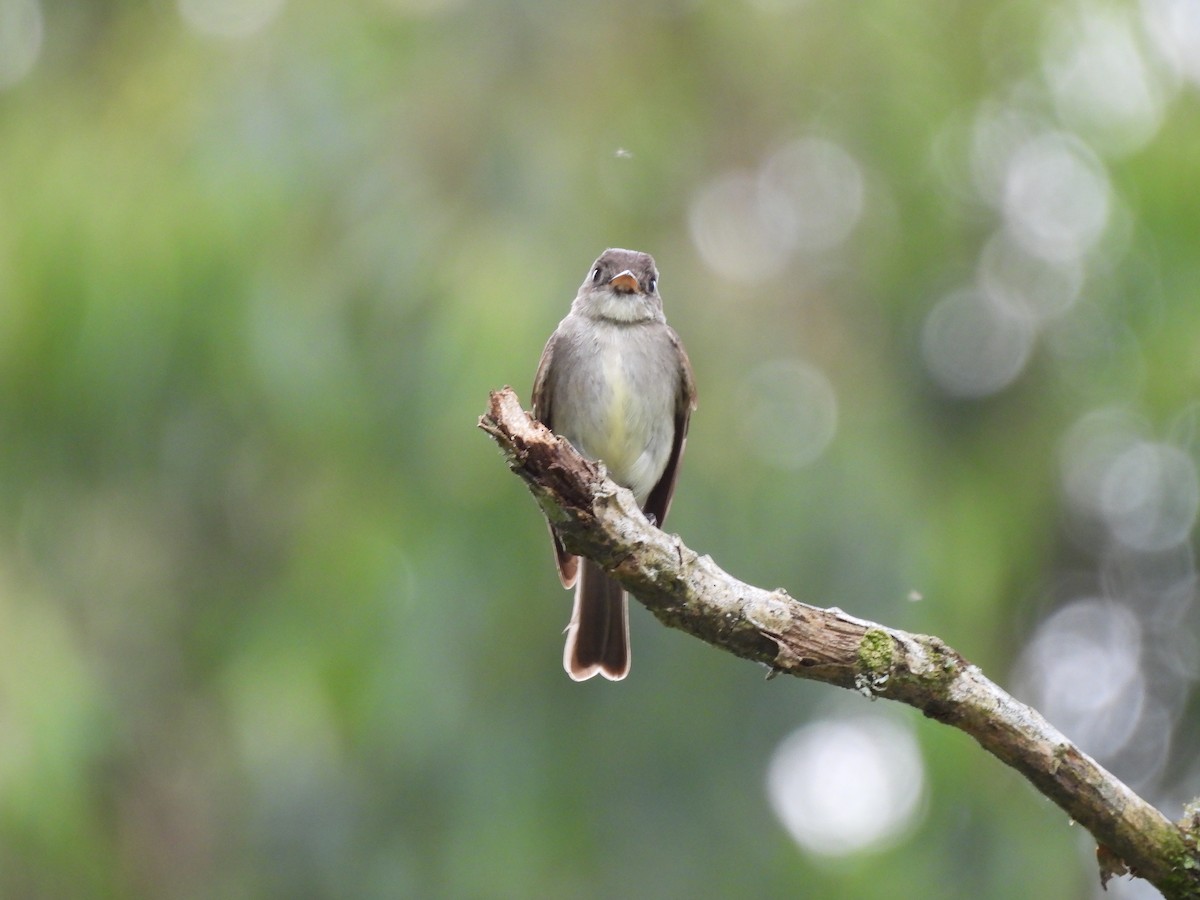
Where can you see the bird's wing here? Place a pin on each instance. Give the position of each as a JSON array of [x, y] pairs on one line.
[[659, 501], [568, 564]]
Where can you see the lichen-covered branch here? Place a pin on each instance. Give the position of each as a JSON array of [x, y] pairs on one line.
[[600, 520]]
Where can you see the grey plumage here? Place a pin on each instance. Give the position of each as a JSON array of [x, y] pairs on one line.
[[615, 381]]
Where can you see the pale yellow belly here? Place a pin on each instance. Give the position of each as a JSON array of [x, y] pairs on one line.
[[624, 439]]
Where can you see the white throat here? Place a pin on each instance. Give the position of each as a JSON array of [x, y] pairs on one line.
[[619, 307]]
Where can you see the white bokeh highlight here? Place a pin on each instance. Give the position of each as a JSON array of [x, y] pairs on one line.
[[996, 132], [814, 193], [843, 786], [1144, 492], [21, 33], [1025, 284], [1150, 496], [806, 198], [1174, 29], [229, 18], [789, 413], [973, 346], [732, 232], [1104, 88], [1088, 450], [1056, 200], [1082, 670]]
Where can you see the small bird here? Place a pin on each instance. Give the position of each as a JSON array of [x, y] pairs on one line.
[[615, 381]]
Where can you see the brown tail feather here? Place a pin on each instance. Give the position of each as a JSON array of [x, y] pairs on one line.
[[598, 635]]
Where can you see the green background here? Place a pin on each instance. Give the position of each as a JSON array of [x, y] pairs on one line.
[[274, 618]]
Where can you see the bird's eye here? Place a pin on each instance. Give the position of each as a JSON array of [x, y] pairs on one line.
[[596, 275], [653, 284]]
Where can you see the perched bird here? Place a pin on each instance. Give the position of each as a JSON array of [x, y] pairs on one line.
[[615, 381]]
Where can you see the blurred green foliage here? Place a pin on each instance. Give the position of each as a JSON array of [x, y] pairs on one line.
[[274, 619]]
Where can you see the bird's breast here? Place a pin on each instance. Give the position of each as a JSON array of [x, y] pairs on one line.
[[614, 409], [619, 407]]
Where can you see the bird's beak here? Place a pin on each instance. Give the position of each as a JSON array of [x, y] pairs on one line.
[[625, 281]]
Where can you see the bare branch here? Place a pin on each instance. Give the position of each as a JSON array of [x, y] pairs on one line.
[[598, 519]]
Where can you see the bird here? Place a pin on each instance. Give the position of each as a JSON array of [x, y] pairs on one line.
[[615, 380]]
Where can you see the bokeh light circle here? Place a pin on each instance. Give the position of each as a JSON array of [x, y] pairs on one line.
[[1057, 199], [843, 786], [1082, 670], [789, 413], [1151, 496], [822, 192], [732, 232], [973, 346], [229, 18], [21, 33], [1028, 285], [1103, 85]]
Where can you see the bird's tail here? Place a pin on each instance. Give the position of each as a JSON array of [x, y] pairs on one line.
[[598, 635]]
